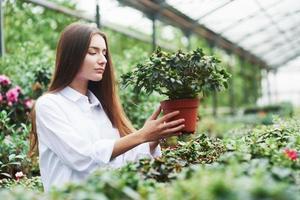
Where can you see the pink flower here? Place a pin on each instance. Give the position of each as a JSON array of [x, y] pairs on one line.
[[4, 80], [18, 89], [28, 103], [13, 94], [19, 175], [291, 154], [1, 98]]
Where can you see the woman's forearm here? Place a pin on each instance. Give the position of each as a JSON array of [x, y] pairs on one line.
[[127, 142]]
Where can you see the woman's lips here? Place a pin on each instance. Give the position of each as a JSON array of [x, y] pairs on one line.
[[100, 70]]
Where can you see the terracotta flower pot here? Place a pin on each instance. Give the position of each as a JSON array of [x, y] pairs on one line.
[[188, 110]]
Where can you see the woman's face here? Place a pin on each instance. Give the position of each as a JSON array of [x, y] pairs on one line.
[[95, 61]]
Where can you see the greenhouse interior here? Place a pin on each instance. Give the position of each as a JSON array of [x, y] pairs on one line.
[[150, 99]]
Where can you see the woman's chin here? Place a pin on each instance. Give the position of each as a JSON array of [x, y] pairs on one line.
[[97, 77]]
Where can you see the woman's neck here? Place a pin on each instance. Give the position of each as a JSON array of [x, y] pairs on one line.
[[80, 86]]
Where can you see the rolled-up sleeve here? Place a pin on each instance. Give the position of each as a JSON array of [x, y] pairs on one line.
[[156, 152], [56, 132]]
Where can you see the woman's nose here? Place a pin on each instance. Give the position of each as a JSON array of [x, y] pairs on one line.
[[102, 59]]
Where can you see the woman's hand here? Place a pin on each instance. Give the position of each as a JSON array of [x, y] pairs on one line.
[[155, 129]]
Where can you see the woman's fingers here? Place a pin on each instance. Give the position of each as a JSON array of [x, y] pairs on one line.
[[173, 123], [173, 130], [168, 116], [163, 127], [155, 114]]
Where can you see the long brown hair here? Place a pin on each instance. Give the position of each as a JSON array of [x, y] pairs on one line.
[[70, 53]]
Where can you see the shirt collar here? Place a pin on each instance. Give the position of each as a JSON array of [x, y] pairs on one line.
[[94, 100], [75, 96]]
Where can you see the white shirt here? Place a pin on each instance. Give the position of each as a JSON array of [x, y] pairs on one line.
[[76, 137]]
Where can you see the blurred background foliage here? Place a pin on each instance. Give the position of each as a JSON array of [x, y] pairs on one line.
[[31, 34]]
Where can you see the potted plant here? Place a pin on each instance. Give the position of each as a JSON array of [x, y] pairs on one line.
[[182, 77]]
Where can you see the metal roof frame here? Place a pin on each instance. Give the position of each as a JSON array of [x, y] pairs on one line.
[[215, 9], [254, 51], [90, 18], [257, 31], [288, 59], [252, 15], [284, 55], [170, 15], [270, 39], [279, 29], [277, 46]]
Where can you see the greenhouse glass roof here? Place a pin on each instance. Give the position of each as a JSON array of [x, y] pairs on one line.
[[268, 29]]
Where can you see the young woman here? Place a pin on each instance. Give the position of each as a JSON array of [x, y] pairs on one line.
[[79, 124]]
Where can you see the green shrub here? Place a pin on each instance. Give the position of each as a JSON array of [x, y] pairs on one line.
[[33, 183], [178, 75], [29, 67], [247, 164], [14, 146]]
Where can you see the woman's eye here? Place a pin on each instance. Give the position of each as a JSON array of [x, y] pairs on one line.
[[92, 53]]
